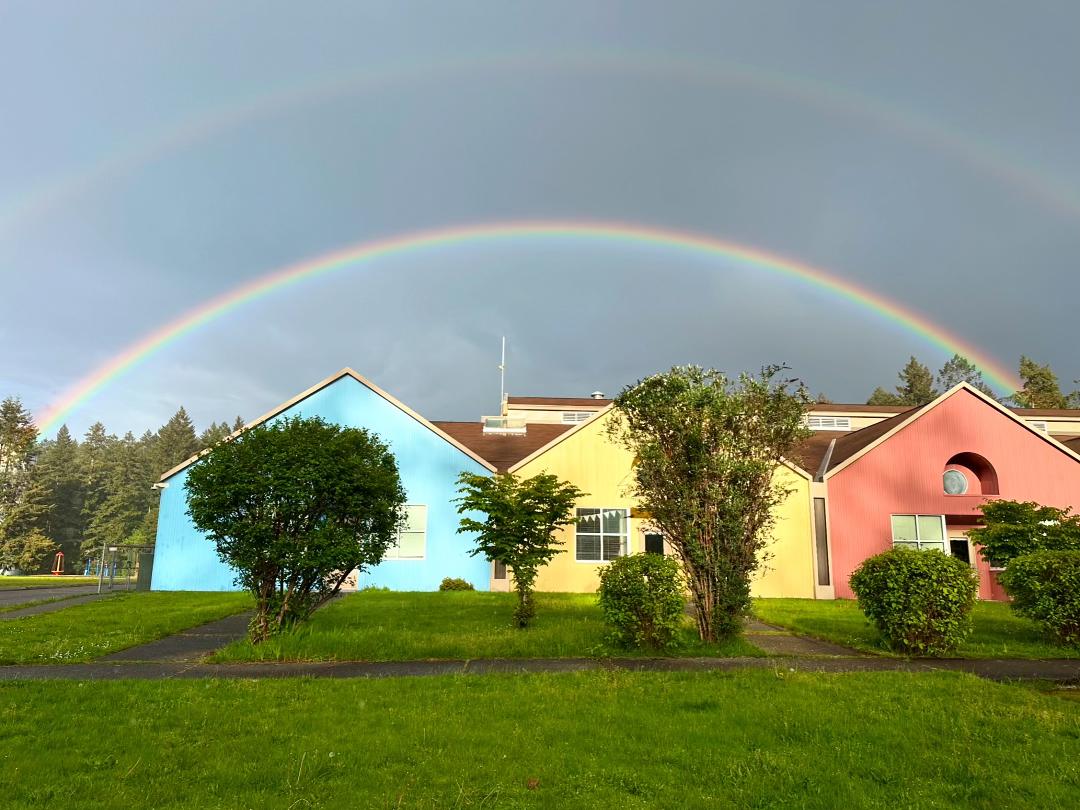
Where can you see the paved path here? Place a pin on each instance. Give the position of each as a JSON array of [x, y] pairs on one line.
[[61, 603], [1057, 671], [18, 596], [187, 645], [780, 641]]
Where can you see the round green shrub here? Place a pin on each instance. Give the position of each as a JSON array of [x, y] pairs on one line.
[[920, 601], [1045, 587], [641, 597], [455, 584]]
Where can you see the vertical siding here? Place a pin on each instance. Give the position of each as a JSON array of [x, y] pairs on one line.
[[903, 476], [429, 466], [590, 461]]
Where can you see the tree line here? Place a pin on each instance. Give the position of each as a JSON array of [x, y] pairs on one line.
[[71, 495], [918, 385]]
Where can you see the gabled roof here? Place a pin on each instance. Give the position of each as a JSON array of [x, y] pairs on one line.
[[582, 425], [502, 450], [345, 372], [845, 451]]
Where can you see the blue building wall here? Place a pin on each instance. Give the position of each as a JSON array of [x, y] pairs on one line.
[[429, 465]]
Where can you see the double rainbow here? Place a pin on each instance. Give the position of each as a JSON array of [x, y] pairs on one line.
[[624, 234]]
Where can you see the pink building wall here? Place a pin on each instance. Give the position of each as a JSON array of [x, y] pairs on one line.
[[903, 475]]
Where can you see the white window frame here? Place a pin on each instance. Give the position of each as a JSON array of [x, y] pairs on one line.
[[815, 422], [394, 552], [575, 417], [624, 547], [944, 542]]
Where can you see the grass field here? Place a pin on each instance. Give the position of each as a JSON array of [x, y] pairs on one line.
[[45, 582], [617, 739], [997, 631], [88, 631], [396, 626]]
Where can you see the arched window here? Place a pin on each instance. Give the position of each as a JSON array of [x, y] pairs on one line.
[[969, 474]]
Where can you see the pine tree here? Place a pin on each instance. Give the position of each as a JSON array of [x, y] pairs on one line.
[[916, 384], [882, 397], [94, 461], [960, 369], [175, 441], [24, 501], [1041, 388], [214, 434], [58, 469], [238, 424], [22, 524], [122, 514]]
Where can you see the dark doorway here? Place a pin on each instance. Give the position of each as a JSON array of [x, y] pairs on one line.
[[500, 569], [960, 549], [654, 544]]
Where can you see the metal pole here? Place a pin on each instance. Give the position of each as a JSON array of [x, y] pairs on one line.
[[101, 569]]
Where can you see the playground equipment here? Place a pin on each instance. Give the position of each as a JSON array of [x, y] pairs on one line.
[[126, 563], [58, 564]]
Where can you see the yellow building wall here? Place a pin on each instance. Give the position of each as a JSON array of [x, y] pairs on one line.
[[597, 466]]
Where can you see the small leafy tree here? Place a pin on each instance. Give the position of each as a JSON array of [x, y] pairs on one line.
[[295, 507], [1014, 528], [521, 516], [706, 451], [1045, 587]]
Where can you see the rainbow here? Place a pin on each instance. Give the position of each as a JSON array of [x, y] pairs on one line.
[[983, 157], [449, 237]]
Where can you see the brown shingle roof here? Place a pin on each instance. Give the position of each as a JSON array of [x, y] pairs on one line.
[[837, 407], [573, 402], [813, 450], [502, 450], [1073, 444]]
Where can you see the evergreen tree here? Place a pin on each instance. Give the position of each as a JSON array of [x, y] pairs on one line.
[[882, 397], [214, 434], [176, 441], [238, 424], [1041, 388], [122, 516], [94, 462], [58, 469], [24, 502], [960, 369], [21, 527], [916, 384]]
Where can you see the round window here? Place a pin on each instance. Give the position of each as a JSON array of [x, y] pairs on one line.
[[956, 482]]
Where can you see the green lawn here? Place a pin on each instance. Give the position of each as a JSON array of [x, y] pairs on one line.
[[45, 581], [396, 626], [599, 739], [88, 631], [997, 633]]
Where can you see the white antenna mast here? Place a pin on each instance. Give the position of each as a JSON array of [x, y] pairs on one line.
[[502, 376]]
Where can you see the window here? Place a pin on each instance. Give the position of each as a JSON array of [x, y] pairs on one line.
[[601, 534], [573, 417], [1039, 425], [955, 482], [411, 540], [919, 531], [828, 423]]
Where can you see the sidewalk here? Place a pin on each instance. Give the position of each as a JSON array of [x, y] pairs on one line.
[[180, 656]]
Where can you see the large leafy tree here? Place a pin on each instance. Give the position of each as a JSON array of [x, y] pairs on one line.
[[706, 450], [518, 529], [294, 507], [1013, 528], [959, 369]]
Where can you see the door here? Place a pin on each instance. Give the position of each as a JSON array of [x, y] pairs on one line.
[[654, 543], [960, 546]]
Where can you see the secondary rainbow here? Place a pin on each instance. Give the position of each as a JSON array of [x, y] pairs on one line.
[[625, 234]]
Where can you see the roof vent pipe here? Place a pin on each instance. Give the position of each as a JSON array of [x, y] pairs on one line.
[[597, 395]]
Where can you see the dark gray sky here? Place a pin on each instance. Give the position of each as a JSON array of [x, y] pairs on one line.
[[154, 155]]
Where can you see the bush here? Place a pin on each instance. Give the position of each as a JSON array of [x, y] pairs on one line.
[[1045, 587], [642, 599], [920, 601], [455, 584]]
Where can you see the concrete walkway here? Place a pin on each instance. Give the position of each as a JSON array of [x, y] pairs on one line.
[[1055, 671], [187, 645], [776, 640], [59, 603], [19, 596]]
